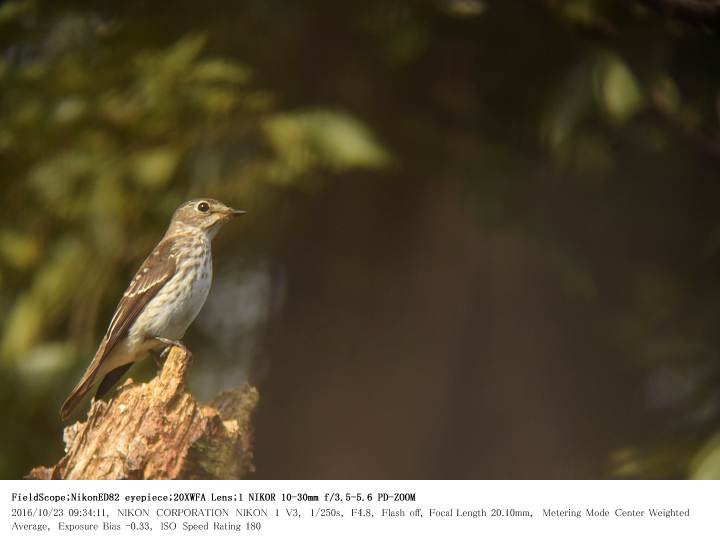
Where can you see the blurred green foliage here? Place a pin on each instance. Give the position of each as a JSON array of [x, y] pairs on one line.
[[100, 139], [111, 115]]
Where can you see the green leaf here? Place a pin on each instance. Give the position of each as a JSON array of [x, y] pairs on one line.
[[154, 168], [54, 284], [617, 90], [329, 138], [220, 70], [18, 250], [173, 60], [706, 464]]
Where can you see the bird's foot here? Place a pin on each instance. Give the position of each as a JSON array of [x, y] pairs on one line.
[[173, 343]]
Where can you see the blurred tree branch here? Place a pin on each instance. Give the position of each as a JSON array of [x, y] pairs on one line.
[[159, 431]]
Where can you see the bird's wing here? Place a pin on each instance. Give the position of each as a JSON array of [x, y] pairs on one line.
[[153, 274]]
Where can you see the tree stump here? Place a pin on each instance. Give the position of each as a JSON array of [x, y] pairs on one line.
[[157, 430]]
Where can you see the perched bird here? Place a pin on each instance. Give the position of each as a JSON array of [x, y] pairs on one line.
[[162, 300]]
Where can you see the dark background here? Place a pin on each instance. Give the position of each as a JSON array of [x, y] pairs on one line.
[[483, 238]]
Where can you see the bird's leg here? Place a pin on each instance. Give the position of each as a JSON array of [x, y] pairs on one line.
[[177, 343], [159, 358]]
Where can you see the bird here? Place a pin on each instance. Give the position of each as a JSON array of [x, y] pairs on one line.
[[163, 298]]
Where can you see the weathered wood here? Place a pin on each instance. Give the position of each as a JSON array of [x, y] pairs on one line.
[[157, 430]]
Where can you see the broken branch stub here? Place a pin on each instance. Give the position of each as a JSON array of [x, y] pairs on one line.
[[157, 430]]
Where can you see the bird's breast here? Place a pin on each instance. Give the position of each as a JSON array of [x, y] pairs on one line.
[[178, 303]]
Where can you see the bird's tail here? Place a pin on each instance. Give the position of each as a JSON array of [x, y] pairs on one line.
[[77, 394]]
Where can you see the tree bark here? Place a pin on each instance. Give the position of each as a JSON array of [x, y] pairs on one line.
[[157, 430]]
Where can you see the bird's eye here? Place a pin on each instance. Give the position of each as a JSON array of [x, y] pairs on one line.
[[203, 207]]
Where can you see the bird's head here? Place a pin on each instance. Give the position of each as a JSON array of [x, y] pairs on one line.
[[207, 214]]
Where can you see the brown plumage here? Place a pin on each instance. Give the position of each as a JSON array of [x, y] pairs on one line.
[[161, 301], [159, 266]]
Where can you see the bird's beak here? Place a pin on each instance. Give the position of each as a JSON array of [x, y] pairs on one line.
[[235, 213]]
